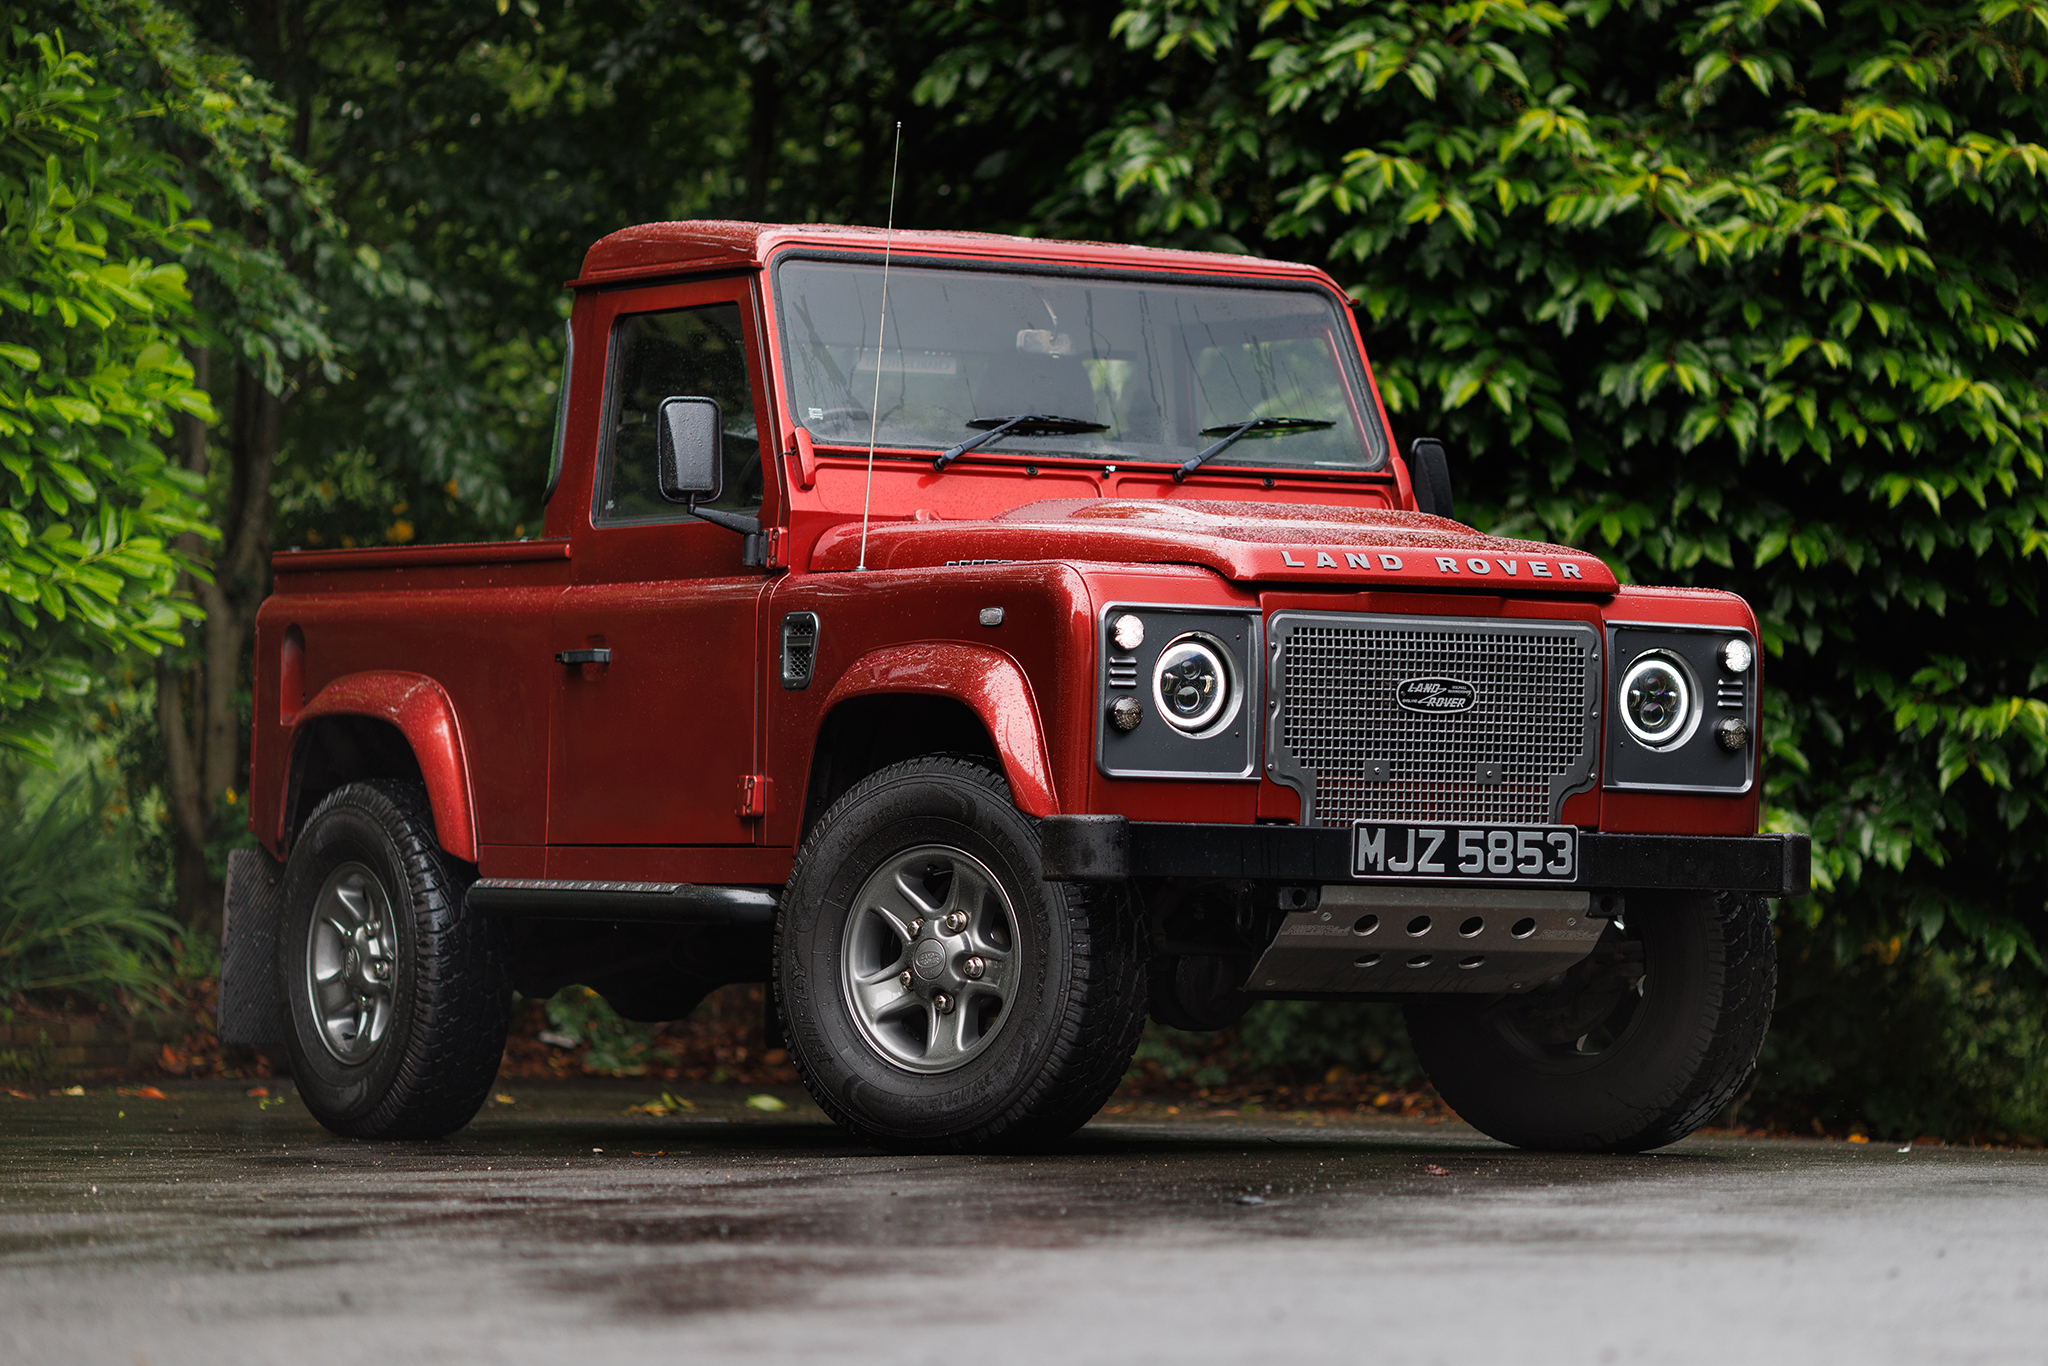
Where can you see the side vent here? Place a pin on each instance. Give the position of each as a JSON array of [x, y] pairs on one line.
[[1123, 671], [799, 649], [1730, 694]]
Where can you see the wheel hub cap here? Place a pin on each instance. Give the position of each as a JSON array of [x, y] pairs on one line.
[[918, 923], [351, 961]]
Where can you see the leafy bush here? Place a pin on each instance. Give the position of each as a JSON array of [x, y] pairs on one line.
[[70, 917], [580, 1016], [1741, 294], [30, 1065], [93, 310], [1906, 1043], [1294, 1041]]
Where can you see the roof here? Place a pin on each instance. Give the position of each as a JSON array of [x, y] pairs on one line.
[[657, 249]]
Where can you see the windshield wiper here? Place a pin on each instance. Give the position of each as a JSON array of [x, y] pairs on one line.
[[1025, 424], [1284, 426]]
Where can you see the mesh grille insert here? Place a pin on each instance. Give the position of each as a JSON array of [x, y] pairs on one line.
[[1357, 754]]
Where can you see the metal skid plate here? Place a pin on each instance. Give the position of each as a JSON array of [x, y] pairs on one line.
[[1380, 940]]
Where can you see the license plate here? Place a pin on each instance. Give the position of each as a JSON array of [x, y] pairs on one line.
[[1490, 853]]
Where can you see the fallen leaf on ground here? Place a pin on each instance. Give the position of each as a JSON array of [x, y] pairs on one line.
[[1859, 1138], [74, 1090], [502, 1099], [1435, 1170], [257, 1091], [766, 1102], [145, 1092]]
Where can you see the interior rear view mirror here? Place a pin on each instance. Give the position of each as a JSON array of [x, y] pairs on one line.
[[690, 456]]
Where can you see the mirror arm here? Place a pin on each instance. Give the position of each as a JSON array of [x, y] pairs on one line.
[[731, 521], [753, 553]]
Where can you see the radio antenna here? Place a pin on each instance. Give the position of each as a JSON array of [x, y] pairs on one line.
[[875, 408]]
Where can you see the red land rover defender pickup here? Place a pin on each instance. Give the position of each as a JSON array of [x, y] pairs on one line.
[[988, 645]]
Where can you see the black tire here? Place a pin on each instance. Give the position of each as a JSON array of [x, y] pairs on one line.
[[420, 1062], [1057, 1042], [1593, 1064]]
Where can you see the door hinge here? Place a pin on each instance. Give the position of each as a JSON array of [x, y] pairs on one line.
[[778, 547], [755, 792]]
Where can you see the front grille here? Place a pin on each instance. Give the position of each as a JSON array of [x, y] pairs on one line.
[[1341, 738]]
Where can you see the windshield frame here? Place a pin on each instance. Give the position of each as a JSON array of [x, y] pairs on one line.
[[1361, 394]]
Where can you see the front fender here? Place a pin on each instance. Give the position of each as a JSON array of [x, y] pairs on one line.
[[989, 683], [424, 715]]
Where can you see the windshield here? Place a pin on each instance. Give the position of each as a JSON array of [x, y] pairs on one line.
[[1155, 364]]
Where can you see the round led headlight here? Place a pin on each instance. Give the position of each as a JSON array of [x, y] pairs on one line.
[[1658, 702], [1192, 685], [1736, 656]]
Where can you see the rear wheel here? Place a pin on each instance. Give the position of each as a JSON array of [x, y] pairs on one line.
[[397, 1002], [937, 994], [1634, 1048]]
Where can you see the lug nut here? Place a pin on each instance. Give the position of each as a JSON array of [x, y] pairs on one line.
[[905, 979], [956, 922], [917, 927], [942, 1003], [973, 968]]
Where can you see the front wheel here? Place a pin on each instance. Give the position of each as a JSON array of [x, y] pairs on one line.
[[1635, 1047], [397, 1001], [939, 995]]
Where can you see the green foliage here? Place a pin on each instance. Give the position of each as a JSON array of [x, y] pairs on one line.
[[1296, 1040], [70, 918], [1738, 294], [580, 1017], [93, 305], [31, 1065], [1910, 1043]]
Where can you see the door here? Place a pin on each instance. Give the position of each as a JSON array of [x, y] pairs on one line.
[[655, 723]]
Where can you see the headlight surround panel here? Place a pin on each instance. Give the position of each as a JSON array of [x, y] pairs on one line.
[[1686, 757], [1206, 739]]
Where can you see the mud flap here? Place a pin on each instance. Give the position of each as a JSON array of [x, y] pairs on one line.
[[251, 1010]]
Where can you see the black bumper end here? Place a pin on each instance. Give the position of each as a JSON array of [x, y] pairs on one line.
[[1114, 849]]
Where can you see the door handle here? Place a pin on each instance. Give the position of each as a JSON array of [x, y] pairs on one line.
[[583, 657]]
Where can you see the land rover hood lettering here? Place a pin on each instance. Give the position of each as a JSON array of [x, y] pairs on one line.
[[1436, 696]]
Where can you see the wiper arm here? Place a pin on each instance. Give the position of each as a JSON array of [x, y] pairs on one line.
[[1025, 424], [1285, 426]]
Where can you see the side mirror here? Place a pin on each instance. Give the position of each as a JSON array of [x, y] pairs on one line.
[[690, 448], [1428, 472]]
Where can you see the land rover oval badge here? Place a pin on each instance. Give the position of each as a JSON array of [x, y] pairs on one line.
[[1436, 696]]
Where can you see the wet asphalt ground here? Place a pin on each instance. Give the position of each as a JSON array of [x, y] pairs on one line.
[[216, 1228]]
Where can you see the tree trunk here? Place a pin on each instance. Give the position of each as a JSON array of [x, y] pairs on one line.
[[199, 692]]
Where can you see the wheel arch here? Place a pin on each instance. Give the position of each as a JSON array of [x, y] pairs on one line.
[[382, 724], [902, 701]]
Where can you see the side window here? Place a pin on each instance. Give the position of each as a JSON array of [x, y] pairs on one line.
[[694, 352]]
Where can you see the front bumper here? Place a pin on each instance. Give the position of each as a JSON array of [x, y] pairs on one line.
[[1115, 849]]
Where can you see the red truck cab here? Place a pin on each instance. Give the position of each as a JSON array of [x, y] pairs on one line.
[[989, 641]]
